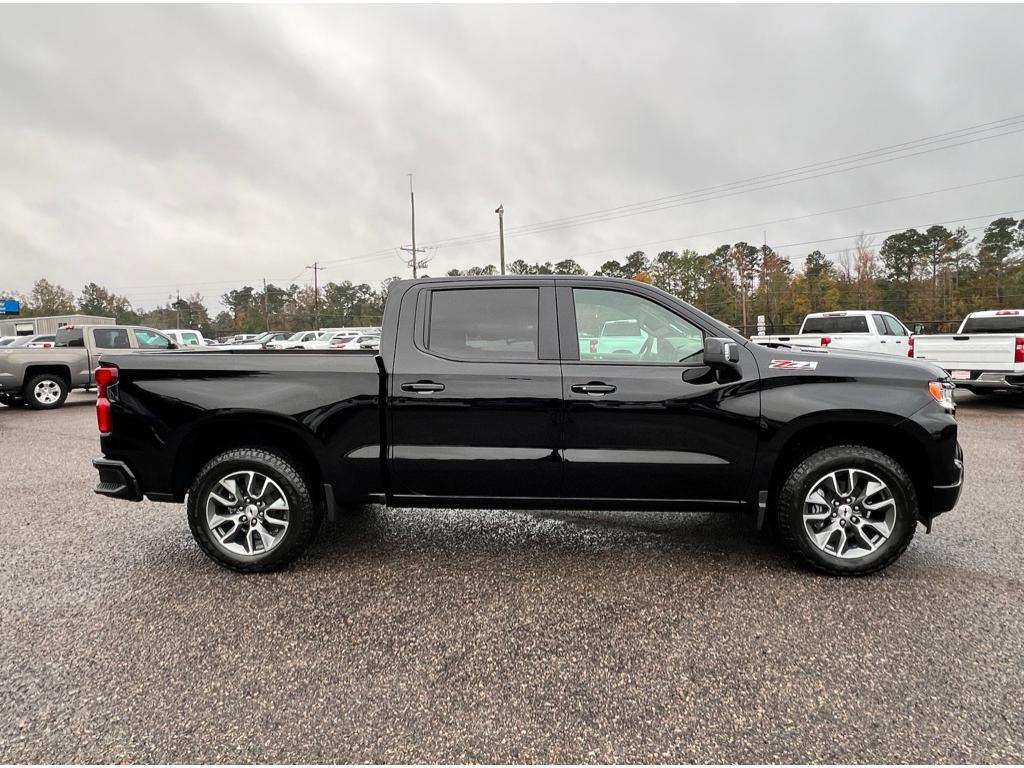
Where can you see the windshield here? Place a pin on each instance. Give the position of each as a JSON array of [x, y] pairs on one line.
[[843, 324], [297, 336], [997, 324]]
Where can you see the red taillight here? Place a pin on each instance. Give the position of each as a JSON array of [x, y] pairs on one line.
[[105, 378], [825, 341], [1018, 350], [910, 347]]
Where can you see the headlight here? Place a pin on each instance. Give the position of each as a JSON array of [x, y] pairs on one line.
[[942, 391]]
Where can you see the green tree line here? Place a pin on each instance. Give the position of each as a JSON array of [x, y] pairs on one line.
[[932, 276]]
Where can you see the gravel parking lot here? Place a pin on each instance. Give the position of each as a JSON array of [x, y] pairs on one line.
[[500, 637]]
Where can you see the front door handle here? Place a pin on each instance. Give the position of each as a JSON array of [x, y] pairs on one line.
[[593, 388], [422, 386]]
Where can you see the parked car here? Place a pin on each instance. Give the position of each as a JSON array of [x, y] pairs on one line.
[[481, 397], [295, 341], [859, 330], [355, 342], [373, 343], [35, 341], [42, 378], [185, 337], [985, 355]]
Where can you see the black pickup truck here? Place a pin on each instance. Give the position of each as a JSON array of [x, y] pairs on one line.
[[551, 392]]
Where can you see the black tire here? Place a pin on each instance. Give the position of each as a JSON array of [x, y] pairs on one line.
[[11, 401], [304, 512], [802, 479], [53, 384]]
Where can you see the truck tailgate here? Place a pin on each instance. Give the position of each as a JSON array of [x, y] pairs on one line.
[[990, 352]]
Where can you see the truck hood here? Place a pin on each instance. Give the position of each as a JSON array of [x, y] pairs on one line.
[[835, 362]]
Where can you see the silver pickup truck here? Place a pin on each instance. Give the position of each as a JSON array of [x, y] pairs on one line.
[[42, 378]]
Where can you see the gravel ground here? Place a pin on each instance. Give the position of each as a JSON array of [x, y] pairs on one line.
[[500, 636]]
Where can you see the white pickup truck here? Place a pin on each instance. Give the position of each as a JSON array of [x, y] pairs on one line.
[[986, 354], [862, 330]]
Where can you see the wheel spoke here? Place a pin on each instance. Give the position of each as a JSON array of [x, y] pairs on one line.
[[879, 525], [266, 536], [878, 504], [817, 497], [864, 539], [821, 538], [216, 521], [225, 536]]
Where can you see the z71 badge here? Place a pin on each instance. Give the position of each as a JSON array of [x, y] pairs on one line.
[[794, 365]]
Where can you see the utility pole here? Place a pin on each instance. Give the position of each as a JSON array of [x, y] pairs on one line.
[[266, 310], [413, 250], [316, 293], [177, 309], [500, 210]]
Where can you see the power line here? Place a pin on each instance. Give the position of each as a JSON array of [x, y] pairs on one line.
[[798, 218], [794, 175], [713, 197]]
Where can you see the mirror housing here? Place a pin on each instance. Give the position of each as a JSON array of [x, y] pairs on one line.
[[721, 353]]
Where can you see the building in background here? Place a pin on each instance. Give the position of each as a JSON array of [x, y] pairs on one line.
[[29, 326]]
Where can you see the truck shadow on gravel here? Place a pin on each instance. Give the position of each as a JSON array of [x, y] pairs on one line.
[[380, 533]]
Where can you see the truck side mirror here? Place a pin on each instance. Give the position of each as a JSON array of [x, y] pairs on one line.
[[721, 353]]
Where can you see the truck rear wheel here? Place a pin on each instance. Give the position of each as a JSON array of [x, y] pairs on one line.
[[847, 510], [45, 391], [252, 510]]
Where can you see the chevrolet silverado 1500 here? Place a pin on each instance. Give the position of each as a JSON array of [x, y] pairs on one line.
[[482, 395]]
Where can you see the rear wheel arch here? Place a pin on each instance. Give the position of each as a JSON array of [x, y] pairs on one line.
[[217, 436], [62, 372]]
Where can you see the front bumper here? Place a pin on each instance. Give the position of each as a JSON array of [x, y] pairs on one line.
[[116, 480], [945, 497]]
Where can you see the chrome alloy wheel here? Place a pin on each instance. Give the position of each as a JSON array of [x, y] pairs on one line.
[[247, 513], [47, 392], [849, 513]]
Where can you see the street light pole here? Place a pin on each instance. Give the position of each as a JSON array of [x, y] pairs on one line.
[[500, 210], [412, 204]]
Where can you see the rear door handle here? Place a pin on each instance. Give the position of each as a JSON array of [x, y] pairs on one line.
[[593, 388], [422, 386]]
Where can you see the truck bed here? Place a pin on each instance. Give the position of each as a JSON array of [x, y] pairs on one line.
[[326, 404]]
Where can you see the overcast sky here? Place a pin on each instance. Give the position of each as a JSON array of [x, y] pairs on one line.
[[196, 148]]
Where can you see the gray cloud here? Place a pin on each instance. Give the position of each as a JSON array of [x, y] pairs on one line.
[[155, 148]]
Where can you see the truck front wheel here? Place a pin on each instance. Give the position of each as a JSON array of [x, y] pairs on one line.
[[252, 510], [45, 391], [847, 510]]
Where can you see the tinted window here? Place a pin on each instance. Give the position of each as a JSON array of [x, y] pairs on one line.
[[147, 339], [999, 324], [844, 324], [110, 338], [895, 327], [70, 338], [189, 340], [880, 325], [484, 323], [643, 331]]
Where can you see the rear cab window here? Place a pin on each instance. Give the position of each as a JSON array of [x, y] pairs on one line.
[[1008, 323], [70, 337], [484, 324], [836, 324]]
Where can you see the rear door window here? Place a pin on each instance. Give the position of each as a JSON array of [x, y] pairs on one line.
[[110, 338], [880, 325], [484, 324]]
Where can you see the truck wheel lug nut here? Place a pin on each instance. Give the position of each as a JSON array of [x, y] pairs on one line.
[[842, 523]]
